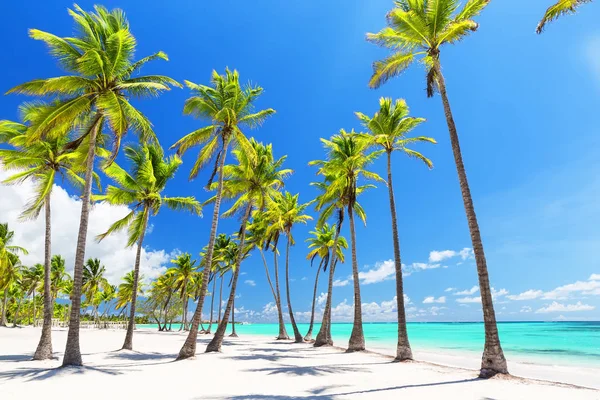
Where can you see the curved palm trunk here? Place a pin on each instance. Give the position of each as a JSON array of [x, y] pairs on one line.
[[128, 344], [220, 301], [189, 347], [184, 298], [297, 335], [262, 254], [308, 336], [493, 360], [324, 335], [217, 340], [233, 333], [212, 305], [282, 331], [403, 350], [357, 337], [72, 351], [283, 335], [44, 347]]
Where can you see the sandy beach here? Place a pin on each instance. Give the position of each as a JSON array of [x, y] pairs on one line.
[[250, 367]]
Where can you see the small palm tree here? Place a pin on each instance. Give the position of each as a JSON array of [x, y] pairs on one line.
[[562, 7], [253, 183], [96, 94], [10, 278], [389, 127], [32, 280], [106, 297], [221, 243], [321, 245], [143, 191], [125, 290], [9, 264], [285, 211], [184, 271], [419, 28], [93, 282], [347, 163], [229, 105], [59, 277]]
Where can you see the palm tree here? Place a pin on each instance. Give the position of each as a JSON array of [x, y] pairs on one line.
[[10, 277], [346, 164], [321, 245], [184, 275], [100, 61], [222, 241], [9, 263], [93, 282], [562, 7], [106, 297], [125, 292], [253, 183], [59, 277], [143, 191], [32, 279], [229, 105], [419, 28], [284, 212], [41, 161], [389, 127]]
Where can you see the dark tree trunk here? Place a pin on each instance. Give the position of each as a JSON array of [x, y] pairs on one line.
[[128, 344], [357, 337], [308, 336], [44, 347], [493, 361], [283, 335], [403, 351], [212, 304], [233, 333], [220, 301], [189, 347], [72, 352], [16, 317], [297, 335], [217, 340]]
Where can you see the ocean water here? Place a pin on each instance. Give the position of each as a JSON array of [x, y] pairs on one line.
[[552, 343]]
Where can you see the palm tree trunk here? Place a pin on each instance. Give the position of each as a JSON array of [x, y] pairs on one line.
[[185, 306], [17, 313], [262, 254], [128, 344], [357, 337], [297, 335], [72, 351], [220, 301], [217, 340], [403, 350], [4, 305], [189, 347], [233, 333], [283, 335], [493, 360], [324, 335], [308, 336], [212, 304], [44, 347]]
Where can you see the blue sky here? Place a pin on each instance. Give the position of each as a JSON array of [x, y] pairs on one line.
[[526, 107]]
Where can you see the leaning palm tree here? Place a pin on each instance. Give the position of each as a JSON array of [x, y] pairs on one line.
[[184, 277], [253, 182], [95, 95], [228, 105], [419, 28], [562, 7], [221, 243], [142, 190], [389, 127], [321, 245], [285, 211], [347, 162], [125, 290], [93, 282]]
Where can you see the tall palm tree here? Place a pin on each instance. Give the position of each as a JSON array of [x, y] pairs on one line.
[[95, 95], [10, 277], [229, 106], [142, 190], [347, 163], [184, 271], [321, 244], [285, 211], [389, 127], [9, 263], [32, 279], [419, 28], [253, 182], [93, 282], [562, 7]]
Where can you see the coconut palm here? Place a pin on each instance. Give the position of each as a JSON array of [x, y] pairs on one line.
[[229, 106], [59, 277], [253, 183], [10, 278], [9, 264], [125, 290], [32, 280], [283, 212], [347, 163], [321, 245], [142, 190], [106, 297], [562, 7], [184, 272], [93, 282], [95, 94], [388, 128], [418, 29]]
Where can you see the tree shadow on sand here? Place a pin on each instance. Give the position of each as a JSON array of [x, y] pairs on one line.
[[40, 374], [310, 370], [15, 357]]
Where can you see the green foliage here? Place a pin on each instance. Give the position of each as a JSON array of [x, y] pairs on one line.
[[321, 244], [562, 7]]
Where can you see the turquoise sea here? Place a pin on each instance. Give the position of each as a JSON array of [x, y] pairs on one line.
[[554, 343]]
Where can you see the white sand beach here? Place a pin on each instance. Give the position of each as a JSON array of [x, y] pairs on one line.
[[248, 368]]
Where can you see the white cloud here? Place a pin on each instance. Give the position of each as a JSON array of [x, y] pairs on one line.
[[304, 278], [250, 282], [450, 289], [431, 300], [437, 256], [468, 292], [558, 307], [243, 273], [527, 295], [339, 283], [382, 271], [590, 287], [65, 226], [321, 299], [595, 277], [475, 299], [269, 309], [525, 309], [498, 293]]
